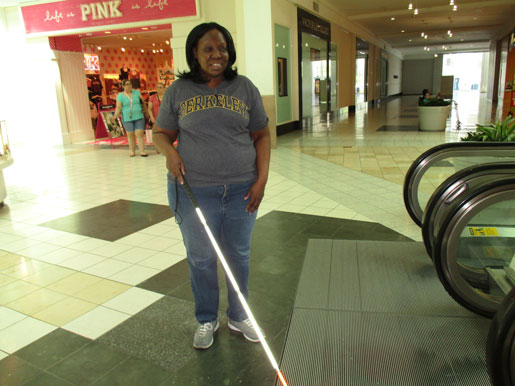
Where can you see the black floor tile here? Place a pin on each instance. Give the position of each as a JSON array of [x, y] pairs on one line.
[[89, 364], [134, 372], [52, 348], [15, 371], [113, 220], [398, 128], [169, 279], [46, 379], [162, 333]]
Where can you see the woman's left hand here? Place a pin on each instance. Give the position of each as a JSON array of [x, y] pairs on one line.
[[255, 196]]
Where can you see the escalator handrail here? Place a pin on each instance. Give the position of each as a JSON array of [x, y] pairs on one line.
[[500, 343], [470, 172], [435, 154], [442, 238]]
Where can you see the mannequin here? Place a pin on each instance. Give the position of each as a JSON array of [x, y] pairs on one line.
[[124, 72]]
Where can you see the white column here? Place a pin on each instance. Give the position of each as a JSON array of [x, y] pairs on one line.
[[255, 43]]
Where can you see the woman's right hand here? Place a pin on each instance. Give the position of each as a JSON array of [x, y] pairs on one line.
[[175, 165]]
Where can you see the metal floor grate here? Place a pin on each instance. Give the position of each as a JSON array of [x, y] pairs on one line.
[[375, 313]]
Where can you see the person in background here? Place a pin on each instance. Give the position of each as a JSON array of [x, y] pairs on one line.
[[94, 115], [154, 102], [131, 106], [425, 97], [224, 151]]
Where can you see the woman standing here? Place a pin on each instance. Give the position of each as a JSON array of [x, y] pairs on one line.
[[154, 102], [224, 150], [130, 104]]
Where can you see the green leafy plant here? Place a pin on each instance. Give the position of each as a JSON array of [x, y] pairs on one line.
[[434, 102], [500, 132]]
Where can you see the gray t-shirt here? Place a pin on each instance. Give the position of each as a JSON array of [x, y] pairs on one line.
[[214, 129]]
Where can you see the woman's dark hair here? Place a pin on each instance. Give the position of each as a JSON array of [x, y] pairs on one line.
[[195, 73]]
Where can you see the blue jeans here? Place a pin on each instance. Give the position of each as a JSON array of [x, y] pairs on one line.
[[131, 126], [223, 207]]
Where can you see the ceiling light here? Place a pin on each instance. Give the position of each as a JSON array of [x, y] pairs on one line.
[[410, 40], [167, 42], [403, 31], [144, 28], [154, 44], [107, 32], [451, 2], [306, 44], [154, 51], [450, 35], [449, 32], [436, 55], [425, 36], [123, 49], [392, 18], [410, 6], [455, 8], [415, 12], [125, 38], [142, 50], [422, 34], [161, 50], [99, 48], [130, 38]]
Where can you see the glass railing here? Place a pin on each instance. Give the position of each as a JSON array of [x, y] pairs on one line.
[[474, 252], [452, 191], [437, 164]]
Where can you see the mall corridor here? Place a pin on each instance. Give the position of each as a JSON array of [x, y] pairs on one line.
[[94, 286]]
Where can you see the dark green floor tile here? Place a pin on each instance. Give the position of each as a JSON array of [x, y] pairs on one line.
[[134, 372], [225, 363], [46, 379], [113, 220], [15, 371], [52, 348], [161, 334], [169, 279], [88, 364]]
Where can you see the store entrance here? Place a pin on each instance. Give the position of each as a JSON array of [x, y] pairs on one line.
[[141, 55]]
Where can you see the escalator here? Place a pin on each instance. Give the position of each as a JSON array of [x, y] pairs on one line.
[[468, 226], [474, 250], [500, 347], [434, 166]]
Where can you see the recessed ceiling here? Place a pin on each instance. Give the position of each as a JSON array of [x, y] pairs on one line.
[[146, 40], [473, 25]]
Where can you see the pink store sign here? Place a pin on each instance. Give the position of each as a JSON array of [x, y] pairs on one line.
[[80, 14]]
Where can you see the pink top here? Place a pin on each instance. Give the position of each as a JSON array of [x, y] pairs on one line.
[[155, 104]]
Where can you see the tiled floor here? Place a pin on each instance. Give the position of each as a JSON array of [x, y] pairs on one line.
[[81, 304]]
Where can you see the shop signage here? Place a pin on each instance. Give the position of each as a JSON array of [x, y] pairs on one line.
[[314, 25], [80, 14], [91, 62]]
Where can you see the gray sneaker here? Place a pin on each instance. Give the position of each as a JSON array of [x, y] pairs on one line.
[[246, 328], [203, 338]]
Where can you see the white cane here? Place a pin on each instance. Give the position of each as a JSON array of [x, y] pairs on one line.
[[234, 284]]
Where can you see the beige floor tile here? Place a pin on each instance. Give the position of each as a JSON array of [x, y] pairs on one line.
[[102, 291], [74, 283], [26, 268], [36, 301], [10, 260], [4, 280], [16, 290], [48, 276], [65, 311]]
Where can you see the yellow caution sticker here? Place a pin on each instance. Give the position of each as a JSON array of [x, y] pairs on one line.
[[483, 231]]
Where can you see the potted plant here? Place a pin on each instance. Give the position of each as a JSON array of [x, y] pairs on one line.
[[433, 114], [500, 132]]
